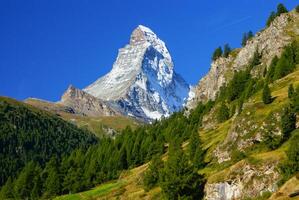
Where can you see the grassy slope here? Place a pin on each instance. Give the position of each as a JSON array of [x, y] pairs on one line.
[[98, 125]]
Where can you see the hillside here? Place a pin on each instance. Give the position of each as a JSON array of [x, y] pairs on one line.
[[28, 133], [260, 163]]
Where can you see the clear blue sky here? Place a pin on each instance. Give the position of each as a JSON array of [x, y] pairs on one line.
[[45, 45]]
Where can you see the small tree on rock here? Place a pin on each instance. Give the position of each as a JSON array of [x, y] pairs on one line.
[[281, 9], [226, 50], [217, 53]]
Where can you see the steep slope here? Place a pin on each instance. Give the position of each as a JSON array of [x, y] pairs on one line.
[[251, 172], [268, 42], [142, 82], [28, 133]]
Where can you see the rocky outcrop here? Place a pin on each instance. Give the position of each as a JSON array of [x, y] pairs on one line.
[[86, 104], [243, 181], [269, 42], [245, 131]]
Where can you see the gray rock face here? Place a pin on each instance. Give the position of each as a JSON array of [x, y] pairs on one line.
[[268, 42], [86, 104], [245, 181], [142, 82]]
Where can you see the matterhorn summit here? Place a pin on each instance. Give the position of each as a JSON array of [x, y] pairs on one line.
[[142, 82]]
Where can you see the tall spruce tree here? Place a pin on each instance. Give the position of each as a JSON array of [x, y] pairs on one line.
[[179, 178], [288, 122], [151, 176]]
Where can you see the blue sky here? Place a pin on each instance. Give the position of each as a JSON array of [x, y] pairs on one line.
[[47, 45]]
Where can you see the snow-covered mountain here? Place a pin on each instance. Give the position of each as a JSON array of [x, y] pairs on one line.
[[142, 82]]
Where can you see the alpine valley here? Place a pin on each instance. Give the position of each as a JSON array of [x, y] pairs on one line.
[[142, 132]]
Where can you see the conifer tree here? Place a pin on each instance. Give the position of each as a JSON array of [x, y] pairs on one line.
[[249, 35], [7, 191], [271, 18], [123, 159], [151, 176], [281, 9], [297, 9], [24, 184], [271, 71], [217, 53], [226, 50], [179, 178], [293, 154], [267, 98], [288, 122], [244, 39], [255, 59], [291, 92], [223, 113]]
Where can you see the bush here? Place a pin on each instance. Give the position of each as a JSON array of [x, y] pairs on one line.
[[267, 98], [223, 113]]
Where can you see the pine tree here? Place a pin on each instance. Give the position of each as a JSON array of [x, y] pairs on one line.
[[293, 154], [52, 183], [271, 18], [37, 184], [249, 35], [179, 179], [194, 143], [244, 39], [123, 159], [7, 191], [223, 113], [288, 122], [267, 98], [151, 176], [198, 160], [226, 50], [24, 184], [291, 92], [255, 59], [217, 53], [271, 71], [281, 9], [297, 9]]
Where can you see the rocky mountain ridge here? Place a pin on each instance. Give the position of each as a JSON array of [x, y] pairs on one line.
[[268, 42]]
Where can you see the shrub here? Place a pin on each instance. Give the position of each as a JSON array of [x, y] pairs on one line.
[[267, 98]]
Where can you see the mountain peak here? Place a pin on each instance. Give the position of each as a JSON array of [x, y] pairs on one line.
[[142, 82], [142, 34]]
